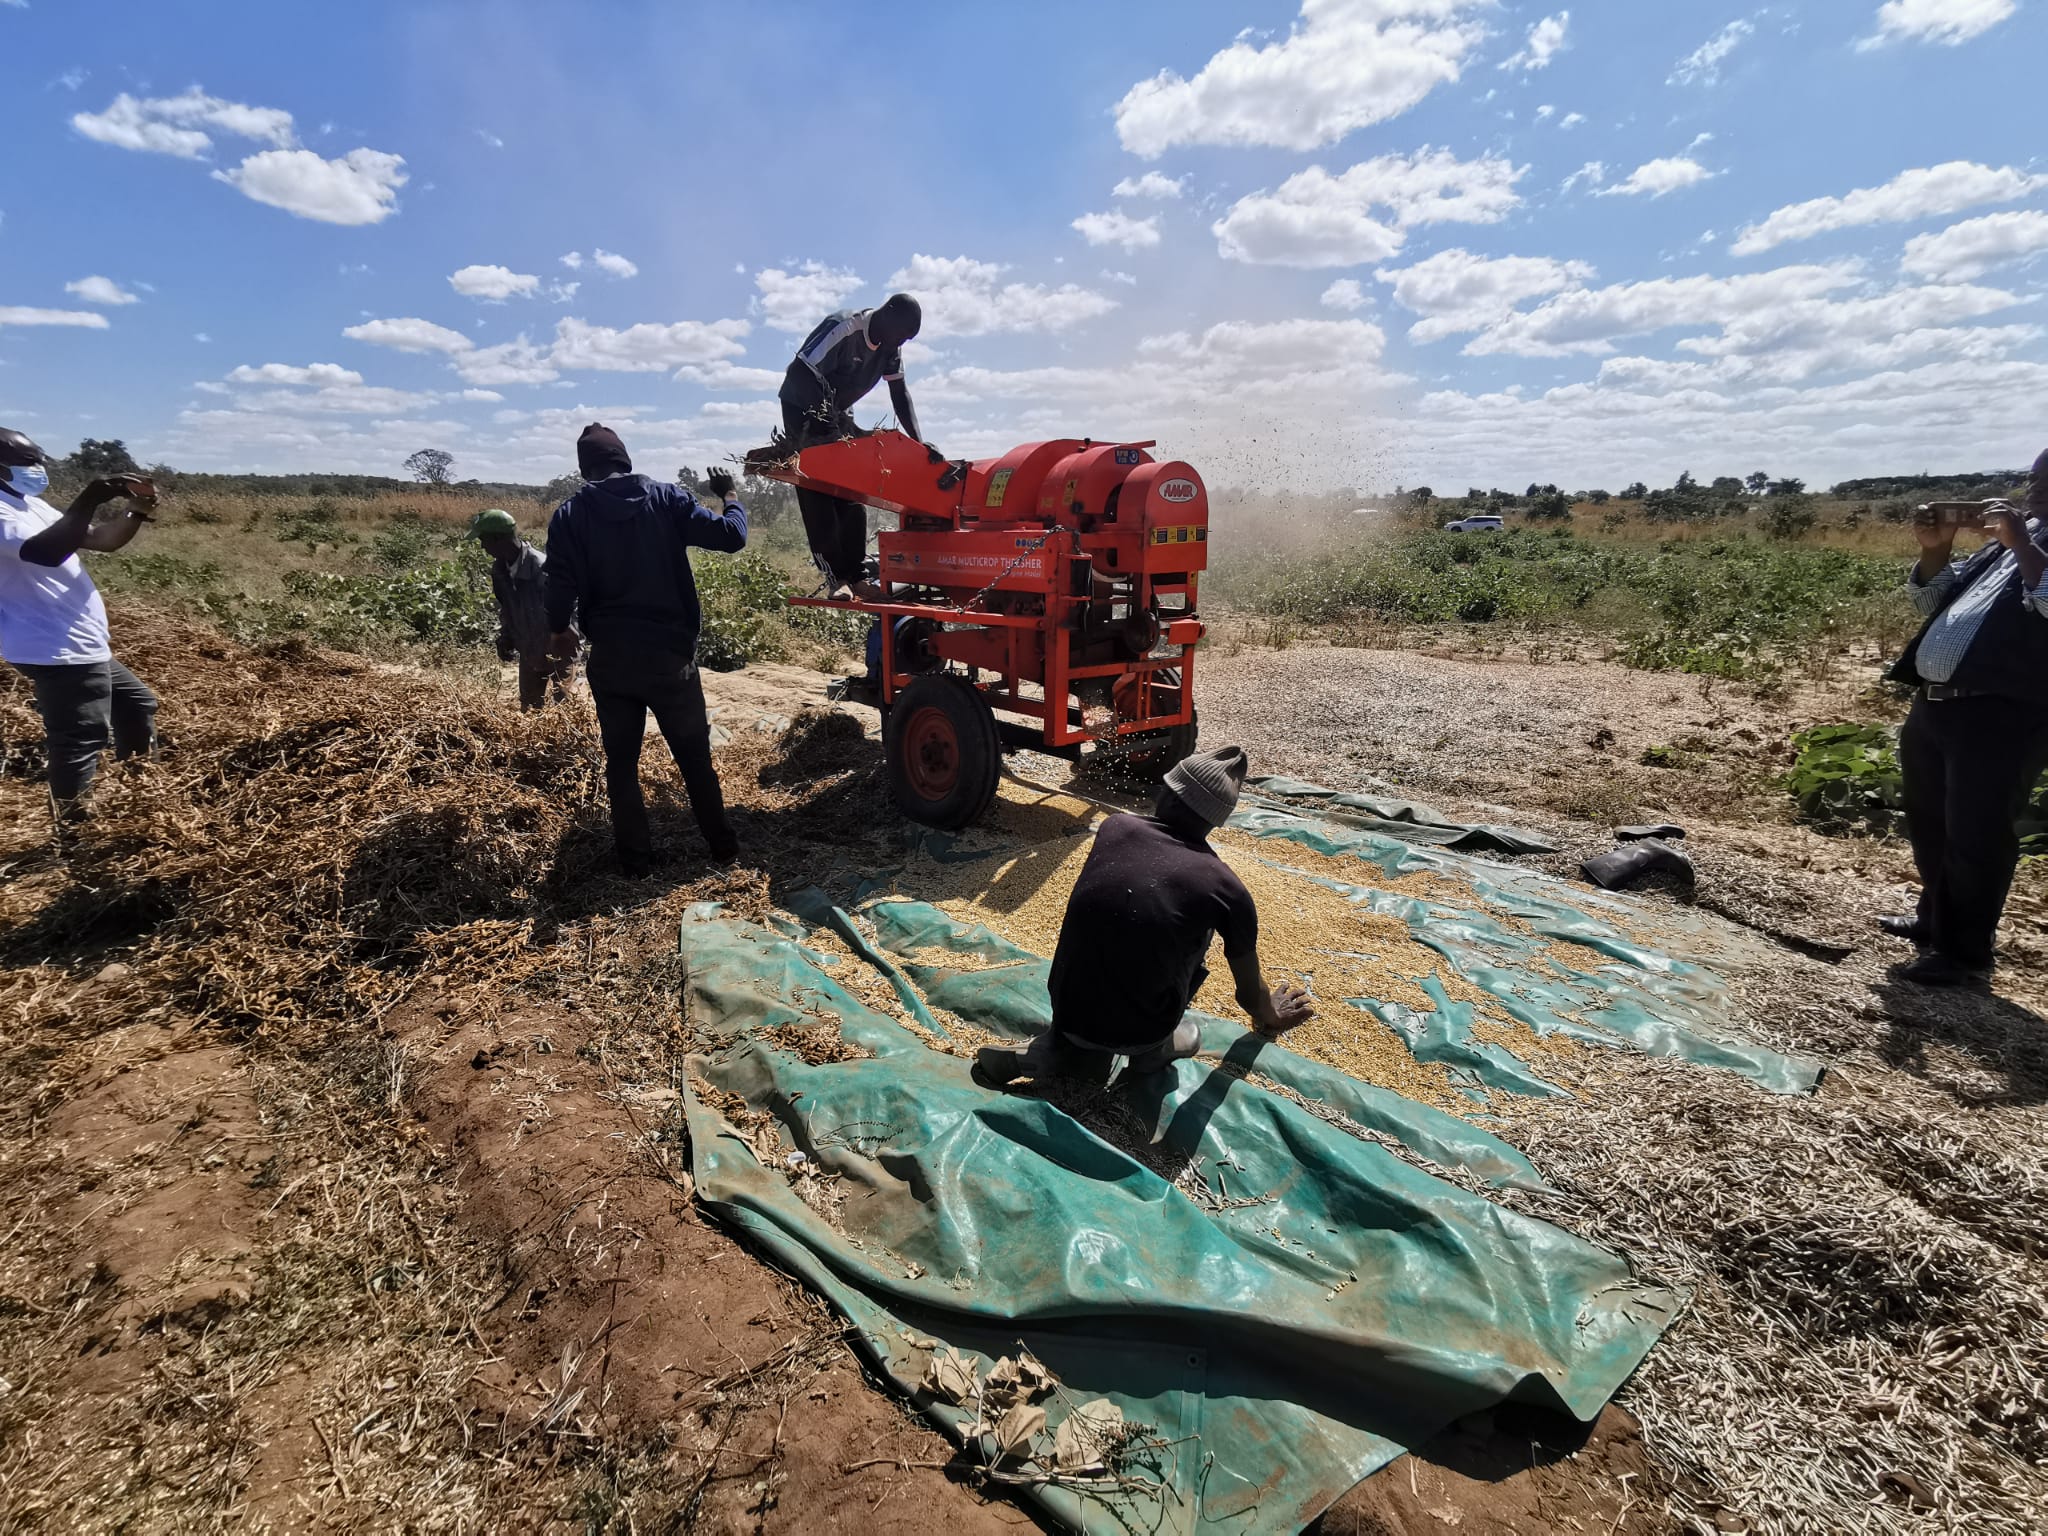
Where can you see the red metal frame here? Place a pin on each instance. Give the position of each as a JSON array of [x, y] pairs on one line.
[[1025, 558]]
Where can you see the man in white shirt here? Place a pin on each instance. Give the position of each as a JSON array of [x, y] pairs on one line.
[[1975, 744], [53, 626]]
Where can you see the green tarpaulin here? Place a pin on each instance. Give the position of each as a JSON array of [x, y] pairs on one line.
[[1284, 1275]]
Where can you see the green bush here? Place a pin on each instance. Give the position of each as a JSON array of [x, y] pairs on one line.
[[747, 617], [313, 525], [1846, 776], [403, 542]]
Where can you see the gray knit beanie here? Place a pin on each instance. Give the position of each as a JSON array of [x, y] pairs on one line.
[[1207, 782]]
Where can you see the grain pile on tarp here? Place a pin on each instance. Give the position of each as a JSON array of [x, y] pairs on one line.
[[1274, 1303], [1441, 976]]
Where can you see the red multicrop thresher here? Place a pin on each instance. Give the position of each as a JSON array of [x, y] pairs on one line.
[[1056, 583]]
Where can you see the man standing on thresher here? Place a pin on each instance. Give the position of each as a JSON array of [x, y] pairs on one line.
[[619, 556], [1151, 896], [517, 572], [837, 365]]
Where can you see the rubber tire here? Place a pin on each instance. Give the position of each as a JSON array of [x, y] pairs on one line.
[[979, 753]]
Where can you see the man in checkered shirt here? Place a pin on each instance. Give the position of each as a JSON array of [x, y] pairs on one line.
[[1976, 741]]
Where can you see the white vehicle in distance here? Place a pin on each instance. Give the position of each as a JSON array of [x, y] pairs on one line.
[[1488, 523]]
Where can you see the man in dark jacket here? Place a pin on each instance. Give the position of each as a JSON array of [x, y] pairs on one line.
[[517, 583], [1976, 741], [839, 362], [619, 556], [1136, 935]]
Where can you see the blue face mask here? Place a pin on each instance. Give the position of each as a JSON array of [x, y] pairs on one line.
[[26, 480]]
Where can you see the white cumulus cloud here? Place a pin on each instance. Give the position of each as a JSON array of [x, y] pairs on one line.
[[1703, 65], [1151, 184], [101, 290], [615, 264], [16, 314], [314, 374], [177, 125], [1545, 40], [1314, 219], [1590, 320], [1951, 22], [409, 336], [573, 261], [1345, 293], [797, 300], [1973, 247], [1455, 291], [645, 348], [1930, 192], [965, 297], [1118, 228], [495, 284], [1658, 177], [361, 187], [1345, 65], [1592, 173]]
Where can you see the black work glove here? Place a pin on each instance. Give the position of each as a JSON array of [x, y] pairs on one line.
[[719, 482]]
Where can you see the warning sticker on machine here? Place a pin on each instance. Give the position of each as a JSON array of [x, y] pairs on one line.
[[1129, 456], [1183, 533], [998, 483]]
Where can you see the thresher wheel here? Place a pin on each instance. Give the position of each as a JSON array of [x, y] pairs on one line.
[[939, 740]]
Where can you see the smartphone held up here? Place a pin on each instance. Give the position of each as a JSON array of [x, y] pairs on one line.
[[1954, 514]]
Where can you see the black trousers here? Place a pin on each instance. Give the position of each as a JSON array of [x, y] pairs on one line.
[[836, 530], [86, 708], [1968, 765], [625, 685]]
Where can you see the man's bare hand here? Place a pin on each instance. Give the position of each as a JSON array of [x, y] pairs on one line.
[[2006, 523], [1290, 1009]]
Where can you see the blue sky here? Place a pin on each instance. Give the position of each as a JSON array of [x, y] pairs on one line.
[[1333, 242]]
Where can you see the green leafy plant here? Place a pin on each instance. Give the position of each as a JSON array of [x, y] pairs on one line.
[[1847, 777]]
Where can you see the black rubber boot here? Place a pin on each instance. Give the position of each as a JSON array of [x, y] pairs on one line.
[[1621, 868]]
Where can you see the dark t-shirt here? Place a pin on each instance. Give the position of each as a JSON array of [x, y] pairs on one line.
[[1137, 930], [836, 366]]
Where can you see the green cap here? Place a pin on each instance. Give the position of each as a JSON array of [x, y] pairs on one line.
[[497, 520]]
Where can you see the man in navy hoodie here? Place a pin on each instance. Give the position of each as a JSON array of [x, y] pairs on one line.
[[619, 560]]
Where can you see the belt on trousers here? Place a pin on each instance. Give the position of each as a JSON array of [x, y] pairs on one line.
[[1936, 693]]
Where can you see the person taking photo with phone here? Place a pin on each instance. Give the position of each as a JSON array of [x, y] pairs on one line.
[[1976, 741], [53, 626]]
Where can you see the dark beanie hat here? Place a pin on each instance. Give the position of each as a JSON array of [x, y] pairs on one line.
[[1208, 782], [600, 453]]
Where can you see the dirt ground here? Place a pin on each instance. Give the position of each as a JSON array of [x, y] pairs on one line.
[[399, 1234]]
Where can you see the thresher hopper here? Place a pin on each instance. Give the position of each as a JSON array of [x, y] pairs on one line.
[[1053, 587]]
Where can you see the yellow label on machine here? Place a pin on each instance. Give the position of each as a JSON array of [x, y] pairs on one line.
[[1183, 533], [998, 483]]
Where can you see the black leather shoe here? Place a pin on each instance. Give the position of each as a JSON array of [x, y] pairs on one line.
[[997, 1066], [1934, 969], [1903, 925]]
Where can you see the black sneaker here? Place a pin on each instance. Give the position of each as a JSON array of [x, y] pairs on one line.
[[1934, 969]]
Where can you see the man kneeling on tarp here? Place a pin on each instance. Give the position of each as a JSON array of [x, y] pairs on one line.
[[1137, 930]]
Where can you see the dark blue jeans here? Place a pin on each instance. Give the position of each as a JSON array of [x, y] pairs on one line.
[[86, 708]]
